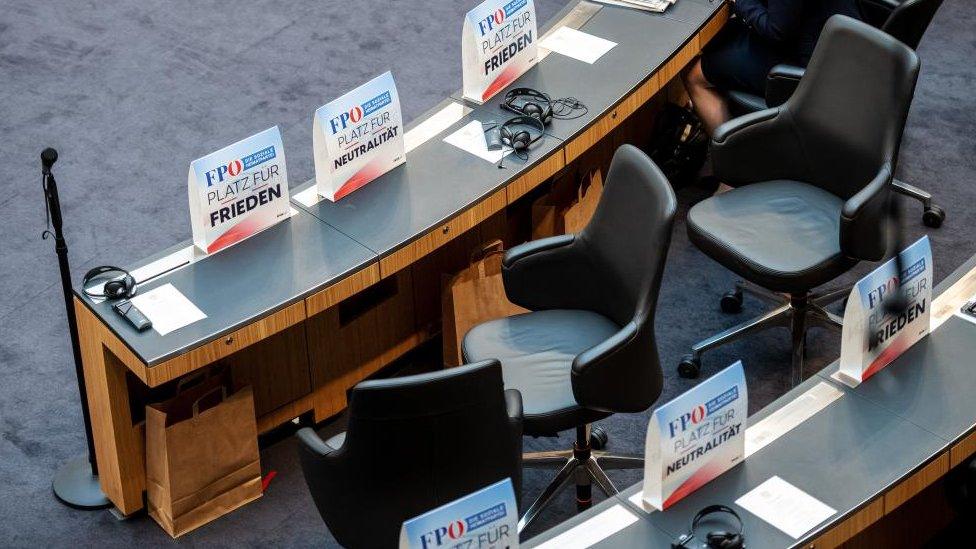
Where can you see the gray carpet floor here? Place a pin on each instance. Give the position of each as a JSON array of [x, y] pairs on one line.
[[131, 91]]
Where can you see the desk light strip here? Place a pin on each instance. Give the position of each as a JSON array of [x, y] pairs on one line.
[[593, 530]]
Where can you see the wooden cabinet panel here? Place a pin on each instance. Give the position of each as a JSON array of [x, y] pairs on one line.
[[354, 339], [226, 345], [445, 233], [276, 368]]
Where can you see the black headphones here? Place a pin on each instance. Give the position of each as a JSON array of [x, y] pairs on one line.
[[520, 140], [529, 102], [124, 287], [716, 539]]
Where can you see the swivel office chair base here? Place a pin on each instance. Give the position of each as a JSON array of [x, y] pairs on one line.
[[934, 215], [797, 312], [581, 463]]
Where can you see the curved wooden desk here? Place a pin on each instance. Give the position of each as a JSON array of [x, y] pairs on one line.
[[289, 307]]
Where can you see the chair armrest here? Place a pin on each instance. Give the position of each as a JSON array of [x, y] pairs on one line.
[[528, 249], [759, 146], [513, 404], [781, 82], [551, 273], [613, 376], [311, 440], [864, 219]]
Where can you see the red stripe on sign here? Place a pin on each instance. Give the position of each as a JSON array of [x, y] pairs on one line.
[[504, 79]]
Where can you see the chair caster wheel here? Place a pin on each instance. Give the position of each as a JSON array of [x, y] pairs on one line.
[[598, 437], [732, 302], [933, 216], [689, 367]]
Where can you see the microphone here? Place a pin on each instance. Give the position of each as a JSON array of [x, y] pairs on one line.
[[48, 157]]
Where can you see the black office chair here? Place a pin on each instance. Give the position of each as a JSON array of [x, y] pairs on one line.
[[907, 21], [813, 180], [413, 444], [588, 348]]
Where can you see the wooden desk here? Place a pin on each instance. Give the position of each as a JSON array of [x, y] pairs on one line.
[[312, 306]]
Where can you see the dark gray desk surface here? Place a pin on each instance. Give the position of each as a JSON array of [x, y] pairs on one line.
[[417, 197], [645, 42], [437, 182], [853, 450], [245, 282]]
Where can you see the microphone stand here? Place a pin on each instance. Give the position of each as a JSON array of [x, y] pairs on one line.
[[76, 482]]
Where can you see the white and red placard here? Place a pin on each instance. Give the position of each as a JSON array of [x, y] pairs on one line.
[[238, 191], [358, 137], [486, 519], [696, 437], [498, 44], [874, 336]]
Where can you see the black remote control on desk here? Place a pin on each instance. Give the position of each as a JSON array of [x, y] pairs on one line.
[[133, 315]]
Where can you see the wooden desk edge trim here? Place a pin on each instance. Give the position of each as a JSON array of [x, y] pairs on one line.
[[226, 345]]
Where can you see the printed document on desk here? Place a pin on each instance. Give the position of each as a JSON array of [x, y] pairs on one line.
[[655, 6], [471, 138], [785, 506], [167, 308], [577, 44]]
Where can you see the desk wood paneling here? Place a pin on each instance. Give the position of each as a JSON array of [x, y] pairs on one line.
[[436, 238], [850, 527], [338, 351]]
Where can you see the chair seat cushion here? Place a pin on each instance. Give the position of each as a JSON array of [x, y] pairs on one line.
[[783, 235], [536, 351]]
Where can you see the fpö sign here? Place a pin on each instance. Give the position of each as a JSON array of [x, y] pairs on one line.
[[873, 336], [486, 519], [695, 437], [357, 138], [354, 115], [238, 191], [498, 44]]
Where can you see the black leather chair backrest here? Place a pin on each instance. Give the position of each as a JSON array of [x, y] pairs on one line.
[[413, 444], [840, 130], [613, 267], [850, 108], [906, 20], [628, 238], [910, 19]]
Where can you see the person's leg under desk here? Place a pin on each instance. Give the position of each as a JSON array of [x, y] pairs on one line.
[[708, 102]]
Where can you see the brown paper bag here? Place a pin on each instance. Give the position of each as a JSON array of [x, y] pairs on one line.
[[473, 296], [552, 216], [202, 457], [547, 210], [579, 213]]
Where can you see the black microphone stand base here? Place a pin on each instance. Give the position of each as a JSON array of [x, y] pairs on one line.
[[75, 486]]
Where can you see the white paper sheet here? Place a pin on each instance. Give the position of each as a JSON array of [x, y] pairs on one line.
[[655, 6], [577, 44], [167, 308], [471, 138], [593, 530], [785, 506]]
